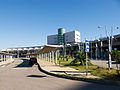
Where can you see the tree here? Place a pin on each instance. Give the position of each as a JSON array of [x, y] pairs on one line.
[[116, 57], [81, 57]]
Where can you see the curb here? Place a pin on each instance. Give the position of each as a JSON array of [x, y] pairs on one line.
[[98, 81], [7, 63]]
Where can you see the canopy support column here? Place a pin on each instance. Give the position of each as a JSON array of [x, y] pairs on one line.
[[53, 56], [56, 56], [50, 56]]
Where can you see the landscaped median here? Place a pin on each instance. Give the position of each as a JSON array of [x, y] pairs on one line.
[[77, 72], [95, 70]]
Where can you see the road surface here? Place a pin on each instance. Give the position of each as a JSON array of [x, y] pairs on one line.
[[20, 76]]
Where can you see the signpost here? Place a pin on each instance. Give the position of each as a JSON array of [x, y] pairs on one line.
[[87, 50]]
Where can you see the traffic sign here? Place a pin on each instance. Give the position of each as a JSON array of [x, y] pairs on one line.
[[87, 45]]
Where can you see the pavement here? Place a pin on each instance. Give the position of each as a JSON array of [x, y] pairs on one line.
[[62, 70], [19, 75], [6, 62], [104, 63], [70, 73]]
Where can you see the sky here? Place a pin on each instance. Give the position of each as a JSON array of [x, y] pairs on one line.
[[29, 22]]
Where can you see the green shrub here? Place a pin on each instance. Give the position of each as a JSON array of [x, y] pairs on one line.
[[67, 57]]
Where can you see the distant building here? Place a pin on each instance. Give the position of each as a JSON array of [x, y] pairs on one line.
[[22, 51], [62, 37], [52, 40], [72, 37]]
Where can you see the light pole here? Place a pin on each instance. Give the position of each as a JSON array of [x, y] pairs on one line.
[[96, 50], [101, 43], [101, 55], [91, 49], [112, 35], [109, 47], [109, 44], [111, 41], [96, 47]]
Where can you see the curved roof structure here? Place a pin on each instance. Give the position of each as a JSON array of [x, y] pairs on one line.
[[49, 48], [3, 53]]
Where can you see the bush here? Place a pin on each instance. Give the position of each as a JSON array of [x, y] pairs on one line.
[[67, 57], [81, 57], [115, 55]]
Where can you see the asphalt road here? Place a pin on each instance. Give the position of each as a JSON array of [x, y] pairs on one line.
[[20, 76]]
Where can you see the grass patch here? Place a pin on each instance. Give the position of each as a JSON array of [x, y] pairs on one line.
[[95, 70]]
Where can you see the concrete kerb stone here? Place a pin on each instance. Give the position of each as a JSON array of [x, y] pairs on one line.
[[5, 64], [92, 80]]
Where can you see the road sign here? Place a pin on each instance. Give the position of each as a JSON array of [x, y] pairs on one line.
[[87, 45], [87, 50]]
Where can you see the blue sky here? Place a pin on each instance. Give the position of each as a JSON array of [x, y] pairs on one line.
[[28, 22]]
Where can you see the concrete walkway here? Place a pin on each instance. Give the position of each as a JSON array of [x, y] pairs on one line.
[[64, 70], [70, 73], [6, 62], [104, 63]]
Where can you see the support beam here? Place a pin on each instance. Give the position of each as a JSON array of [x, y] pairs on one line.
[[56, 57], [53, 56], [11, 58], [50, 56], [46, 56]]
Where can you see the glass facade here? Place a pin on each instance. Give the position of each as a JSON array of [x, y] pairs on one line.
[[61, 32]]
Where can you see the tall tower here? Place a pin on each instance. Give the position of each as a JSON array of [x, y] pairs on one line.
[[61, 32]]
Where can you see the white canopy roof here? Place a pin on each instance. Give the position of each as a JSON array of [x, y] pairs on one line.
[[3, 53], [48, 48], [20, 49]]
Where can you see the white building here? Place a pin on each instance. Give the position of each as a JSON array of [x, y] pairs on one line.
[[52, 39], [72, 37], [69, 37]]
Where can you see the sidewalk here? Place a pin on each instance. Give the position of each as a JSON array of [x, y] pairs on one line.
[[73, 74], [6, 62], [62, 70], [104, 63]]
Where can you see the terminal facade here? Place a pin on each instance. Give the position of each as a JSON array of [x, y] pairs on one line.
[[22, 51], [63, 37], [99, 49]]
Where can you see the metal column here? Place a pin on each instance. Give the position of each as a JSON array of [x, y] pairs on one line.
[[56, 57], [53, 56]]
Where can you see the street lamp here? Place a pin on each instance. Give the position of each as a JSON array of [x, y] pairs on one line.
[[109, 61], [101, 43], [96, 49], [110, 43], [91, 49], [112, 35]]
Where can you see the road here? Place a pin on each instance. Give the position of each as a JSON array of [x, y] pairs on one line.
[[20, 76], [104, 63]]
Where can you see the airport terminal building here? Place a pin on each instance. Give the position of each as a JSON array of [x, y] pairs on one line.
[[63, 37]]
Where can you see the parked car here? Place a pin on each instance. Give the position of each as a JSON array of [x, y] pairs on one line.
[[33, 59]]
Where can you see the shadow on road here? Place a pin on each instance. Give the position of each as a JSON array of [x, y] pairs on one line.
[[25, 63], [36, 76]]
